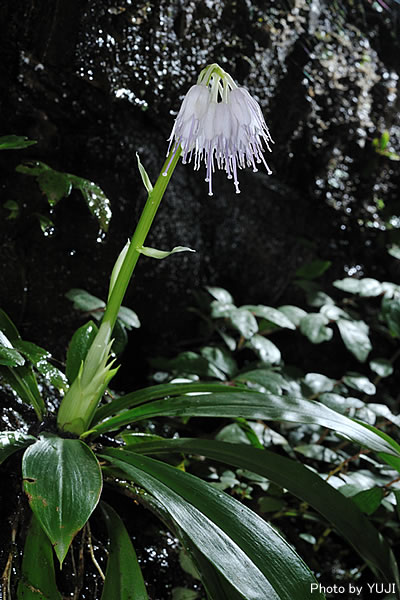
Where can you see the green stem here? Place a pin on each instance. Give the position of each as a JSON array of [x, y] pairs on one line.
[[78, 405], [138, 239]]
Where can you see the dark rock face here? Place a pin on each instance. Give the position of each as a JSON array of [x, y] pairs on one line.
[[96, 81]]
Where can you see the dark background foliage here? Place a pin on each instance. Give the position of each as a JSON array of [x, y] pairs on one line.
[[96, 81]]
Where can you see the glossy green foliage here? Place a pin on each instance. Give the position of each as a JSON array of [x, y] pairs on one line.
[[12, 441], [57, 185], [37, 579], [340, 511], [63, 482], [124, 578], [252, 405], [16, 371], [244, 549], [78, 349], [89, 304], [15, 142]]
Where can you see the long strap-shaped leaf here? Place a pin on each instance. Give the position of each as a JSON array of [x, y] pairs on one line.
[[340, 511], [124, 580], [38, 578], [218, 588], [247, 551], [155, 392], [253, 405]]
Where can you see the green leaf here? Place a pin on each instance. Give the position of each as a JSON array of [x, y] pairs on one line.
[[394, 251], [244, 321], [38, 357], [391, 313], [54, 185], [319, 383], [220, 310], [247, 551], [8, 327], [187, 363], [368, 501], [251, 405], [128, 318], [218, 588], [269, 504], [302, 482], [144, 176], [62, 479], [85, 302], [348, 284], [23, 382], [124, 578], [96, 200], [12, 441], [9, 356], [314, 327], [160, 254], [220, 294], [381, 366], [314, 269], [270, 314], [78, 349], [266, 350], [38, 579], [262, 380], [355, 337], [15, 142], [155, 392], [360, 383], [180, 593], [293, 313], [369, 288], [221, 358]]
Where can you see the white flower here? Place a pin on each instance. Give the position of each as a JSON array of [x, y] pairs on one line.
[[221, 125]]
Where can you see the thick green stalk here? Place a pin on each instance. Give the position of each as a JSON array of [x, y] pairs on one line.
[[78, 406], [138, 239]]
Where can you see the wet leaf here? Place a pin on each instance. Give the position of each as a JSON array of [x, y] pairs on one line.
[[84, 301], [266, 350], [12, 441], [220, 294], [360, 383], [96, 200], [38, 579], [381, 366], [294, 313], [55, 185], [248, 552], [78, 349], [355, 337], [244, 322], [390, 311], [128, 318], [314, 327], [124, 579], [15, 142], [10, 357], [270, 314], [63, 482]]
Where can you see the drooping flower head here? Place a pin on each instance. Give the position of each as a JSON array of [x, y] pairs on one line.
[[221, 125]]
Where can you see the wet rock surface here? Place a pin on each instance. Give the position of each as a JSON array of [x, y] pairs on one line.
[[95, 83]]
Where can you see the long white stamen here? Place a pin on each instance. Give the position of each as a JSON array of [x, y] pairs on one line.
[[221, 125]]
